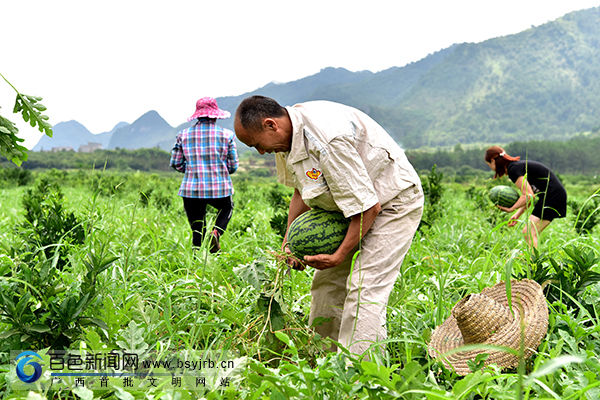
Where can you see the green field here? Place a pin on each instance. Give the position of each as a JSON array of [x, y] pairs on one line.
[[124, 276]]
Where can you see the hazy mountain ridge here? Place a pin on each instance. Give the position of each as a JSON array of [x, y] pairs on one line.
[[542, 83], [73, 134], [147, 131]]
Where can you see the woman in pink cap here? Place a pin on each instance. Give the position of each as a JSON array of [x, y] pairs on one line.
[[206, 154]]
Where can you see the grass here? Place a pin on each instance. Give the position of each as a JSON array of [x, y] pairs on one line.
[[161, 295]]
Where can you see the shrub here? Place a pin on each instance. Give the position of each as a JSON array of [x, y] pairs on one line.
[[145, 195], [433, 189], [48, 226], [568, 277], [279, 197], [15, 176], [162, 200], [41, 309], [107, 184], [587, 214], [42, 301]]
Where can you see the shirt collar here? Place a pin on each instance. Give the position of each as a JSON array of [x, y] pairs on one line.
[[297, 150]]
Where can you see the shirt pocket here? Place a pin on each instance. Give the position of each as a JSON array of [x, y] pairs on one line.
[[319, 196]]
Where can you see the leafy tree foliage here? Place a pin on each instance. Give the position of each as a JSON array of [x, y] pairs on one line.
[[31, 109]]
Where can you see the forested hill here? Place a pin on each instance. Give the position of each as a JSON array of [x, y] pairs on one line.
[[543, 83]]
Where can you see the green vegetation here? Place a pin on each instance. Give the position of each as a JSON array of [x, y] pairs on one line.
[[574, 156], [133, 281], [31, 109], [137, 160]]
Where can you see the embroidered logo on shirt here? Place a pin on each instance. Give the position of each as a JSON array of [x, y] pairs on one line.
[[313, 174]]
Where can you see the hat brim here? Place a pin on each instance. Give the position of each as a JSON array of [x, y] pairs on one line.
[[219, 114], [527, 296]]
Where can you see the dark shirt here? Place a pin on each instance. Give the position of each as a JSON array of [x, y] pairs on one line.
[[539, 177]]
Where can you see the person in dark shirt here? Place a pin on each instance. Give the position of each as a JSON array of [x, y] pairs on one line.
[[533, 179]]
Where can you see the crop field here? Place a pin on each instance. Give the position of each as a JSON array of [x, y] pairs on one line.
[[98, 261]]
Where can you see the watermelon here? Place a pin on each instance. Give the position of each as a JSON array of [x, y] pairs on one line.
[[504, 196], [317, 232]]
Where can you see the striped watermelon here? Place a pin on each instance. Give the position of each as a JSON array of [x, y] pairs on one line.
[[317, 232], [504, 196]]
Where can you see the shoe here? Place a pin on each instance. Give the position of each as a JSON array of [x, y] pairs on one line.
[[214, 241]]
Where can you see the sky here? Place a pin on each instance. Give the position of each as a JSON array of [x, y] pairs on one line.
[[104, 62]]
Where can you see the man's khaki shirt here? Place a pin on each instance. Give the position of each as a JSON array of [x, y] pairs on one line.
[[342, 160]]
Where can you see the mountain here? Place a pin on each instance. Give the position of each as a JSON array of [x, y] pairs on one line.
[[308, 88], [543, 83], [73, 134], [540, 84], [146, 131]]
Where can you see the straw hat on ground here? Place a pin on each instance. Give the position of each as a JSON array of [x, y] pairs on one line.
[[485, 318]]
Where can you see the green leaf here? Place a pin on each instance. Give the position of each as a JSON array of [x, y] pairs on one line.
[[81, 305], [83, 393], [285, 339], [254, 273], [132, 338], [554, 364], [31, 112], [93, 321], [507, 276], [9, 333], [20, 307], [469, 382], [272, 310], [39, 328]]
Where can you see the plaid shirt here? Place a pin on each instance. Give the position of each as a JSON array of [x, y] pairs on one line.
[[206, 153]]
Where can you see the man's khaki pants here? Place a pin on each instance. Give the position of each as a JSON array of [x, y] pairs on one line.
[[349, 305]]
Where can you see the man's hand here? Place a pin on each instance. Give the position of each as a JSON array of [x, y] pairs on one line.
[[288, 258], [291, 260], [323, 261]]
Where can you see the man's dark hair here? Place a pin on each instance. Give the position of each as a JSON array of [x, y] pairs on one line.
[[254, 109]]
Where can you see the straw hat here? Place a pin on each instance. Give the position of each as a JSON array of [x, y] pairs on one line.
[[207, 107], [486, 318]]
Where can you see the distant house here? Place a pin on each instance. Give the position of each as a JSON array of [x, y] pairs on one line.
[[90, 147], [61, 148]]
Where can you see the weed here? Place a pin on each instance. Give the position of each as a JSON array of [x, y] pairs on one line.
[[587, 214], [433, 190], [48, 225]]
